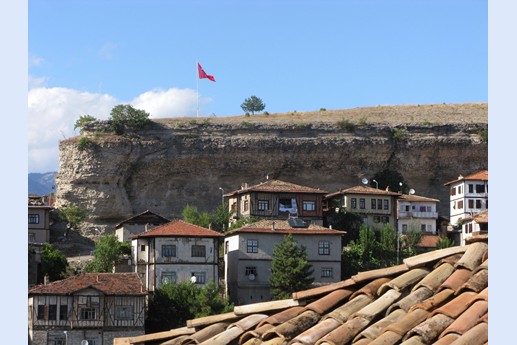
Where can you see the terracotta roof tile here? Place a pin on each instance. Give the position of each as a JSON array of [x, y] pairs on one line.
[[413, 197], [107, 283], [439, 297], [362, 190], [477, 176], [283, 227], [178, 228]]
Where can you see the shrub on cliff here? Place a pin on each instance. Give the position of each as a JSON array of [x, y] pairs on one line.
[[82, 121], [253, 104], [124, 116]]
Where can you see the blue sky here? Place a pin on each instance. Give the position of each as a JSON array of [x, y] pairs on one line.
[[87, 56]]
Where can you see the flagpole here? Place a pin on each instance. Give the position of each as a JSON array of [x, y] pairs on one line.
[[197, 89]]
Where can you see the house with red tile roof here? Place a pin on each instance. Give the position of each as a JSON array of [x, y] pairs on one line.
[[468, 195], [96, 307], [176, 251], [248, 253], [276, 199], [376, 206], [438, 297], [475, 225], [418, 213], [137, 224]]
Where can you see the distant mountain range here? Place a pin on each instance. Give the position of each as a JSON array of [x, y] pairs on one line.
[[41, 183]]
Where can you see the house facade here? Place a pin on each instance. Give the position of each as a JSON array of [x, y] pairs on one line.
[[375, 206], [417, 213], [176, 251], [248, 254], [472, 226], [39, 220], [137, 224], [96, 307], [468, 195], [276, 199]]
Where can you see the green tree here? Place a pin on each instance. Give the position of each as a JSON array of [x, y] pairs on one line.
[[290, 269], [82, 121], [172, 304], [73, 215], [409, 241], [253, 104], [192, 215], [221, 217], [125, 116], [53, 263], [108, 250], [444, 242]]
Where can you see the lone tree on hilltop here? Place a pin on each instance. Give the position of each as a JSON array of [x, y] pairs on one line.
[[125, 116], [290, 269], [253, 104]]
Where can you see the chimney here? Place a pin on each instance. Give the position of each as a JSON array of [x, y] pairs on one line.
[[273, 226]]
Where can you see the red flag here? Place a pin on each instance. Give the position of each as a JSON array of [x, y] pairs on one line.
[[202, 73]]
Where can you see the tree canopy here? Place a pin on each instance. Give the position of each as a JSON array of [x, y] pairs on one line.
[[73, 215], [218, 219], [82, 120], [53, 263], [290, 269], [108, 250], [125, 116], [253, 104]]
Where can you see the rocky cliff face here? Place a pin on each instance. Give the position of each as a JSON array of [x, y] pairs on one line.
[[164, 168]]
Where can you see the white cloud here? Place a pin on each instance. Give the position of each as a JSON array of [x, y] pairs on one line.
[[54, 111], [167, 103], [35, 61], [106, 51]]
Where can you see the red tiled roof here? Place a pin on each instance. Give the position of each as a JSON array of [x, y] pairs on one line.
[[480, 217], [477, 176], [107, 283], [178, 228], [428, 241], [412, 197], [362, 190], [283, 227], [416, 302], [277, 186]]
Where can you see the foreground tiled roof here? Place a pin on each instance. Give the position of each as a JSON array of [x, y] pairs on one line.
[[277, 186], [477, 176], [362, 190], [440, 297], [283, 227], [107, 283], [178, 228]]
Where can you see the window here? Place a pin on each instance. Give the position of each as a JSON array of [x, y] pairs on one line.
[[251, 270], [91, 341], [422, 227], [168, 250], [324, 248], [385, 219], [63, 312], [142, 248], [33, 218], [41, 312], [52, 312], [226, 244], [309, 206], [459, 189], [168, 277], [198, 251], [386, 204], [326, 272], [88, 314], [263, 205], [478, 203], [353, 203], [379, 203], [480, 188], [453, 191], [55, 339], [471, 203], [471, 188], [404, 227], [246, 205], [460, 204], [32, 237], [362, 204], [123, 312], [407, 208], [252, 246], [374, 204], [376, 219], [200, 277]]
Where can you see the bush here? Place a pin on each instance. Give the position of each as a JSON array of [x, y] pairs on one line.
[[363, 121], [398, 134], [82, 121], [483, 134], [85, 143], [125, 116], [346, 125]]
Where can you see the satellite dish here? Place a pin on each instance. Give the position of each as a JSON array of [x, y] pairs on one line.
[[411, 191], [193, 279], [84, 342], [364, 180], [251, 277]]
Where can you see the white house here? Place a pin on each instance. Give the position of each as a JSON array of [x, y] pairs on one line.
[[473, 226], [416, 212], [92, 307], [176, 251], [468, 195], [248, 253]]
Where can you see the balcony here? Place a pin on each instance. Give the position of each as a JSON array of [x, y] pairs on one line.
[[411, 214]]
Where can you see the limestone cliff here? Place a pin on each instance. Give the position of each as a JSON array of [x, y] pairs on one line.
[[174, 163]]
